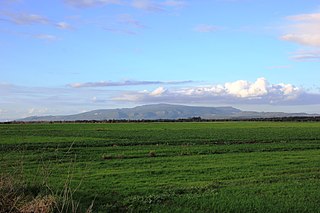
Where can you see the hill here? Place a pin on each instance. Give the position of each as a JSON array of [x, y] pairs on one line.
[[163, 111]]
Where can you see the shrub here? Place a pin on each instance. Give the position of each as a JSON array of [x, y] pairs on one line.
[[152, 154], [107, 157]]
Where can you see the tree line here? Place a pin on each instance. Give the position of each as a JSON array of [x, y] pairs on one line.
[[192, 119]]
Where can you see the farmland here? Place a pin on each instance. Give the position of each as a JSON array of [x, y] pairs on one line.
[[172, 167]]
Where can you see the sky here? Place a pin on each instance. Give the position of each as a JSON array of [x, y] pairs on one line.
[[70, 56]]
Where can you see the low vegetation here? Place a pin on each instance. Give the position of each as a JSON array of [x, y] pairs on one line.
[[160, 167]]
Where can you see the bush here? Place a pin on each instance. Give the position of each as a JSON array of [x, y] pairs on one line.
[[152, 154], [107, 157]]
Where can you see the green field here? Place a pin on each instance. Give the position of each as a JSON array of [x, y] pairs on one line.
[[172, 167]]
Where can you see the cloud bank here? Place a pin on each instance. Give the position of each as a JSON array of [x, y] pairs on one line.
[[237, 92], [91, 3], [304, 30], [19, 18], [123, 83], [147, 5], [306, 55]]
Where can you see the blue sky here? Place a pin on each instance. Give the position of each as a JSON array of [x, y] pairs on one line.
[[70, 56]]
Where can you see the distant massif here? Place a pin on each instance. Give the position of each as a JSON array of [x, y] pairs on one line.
[[164, 111]]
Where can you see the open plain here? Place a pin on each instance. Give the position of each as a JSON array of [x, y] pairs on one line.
[[169, 167]]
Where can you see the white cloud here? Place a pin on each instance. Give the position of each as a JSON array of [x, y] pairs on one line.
[[305, 17], [26, 19], [303, 38], [205, 28], [123, 83], [148, 5], [157, 92], [46, 37], [258, 92], [306, 55], [304, 30], [91, 3], [243, 89], [32, 19], [246, 89], [289, 90], [174, 3], [63, 26]]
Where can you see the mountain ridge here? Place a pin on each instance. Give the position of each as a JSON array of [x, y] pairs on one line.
[[164, 111]]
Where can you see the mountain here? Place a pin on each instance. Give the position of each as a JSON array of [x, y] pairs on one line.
[[164, 111]]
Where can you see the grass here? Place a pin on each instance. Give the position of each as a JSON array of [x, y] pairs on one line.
[[171, 167]]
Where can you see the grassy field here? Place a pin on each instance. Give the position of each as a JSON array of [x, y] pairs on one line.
[[171, 167]]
